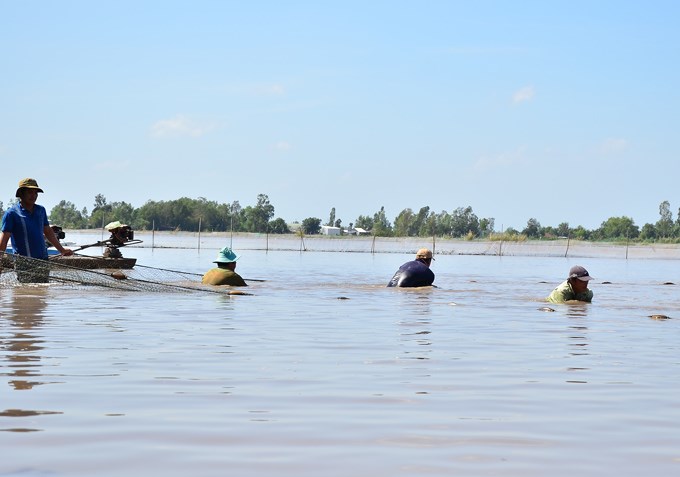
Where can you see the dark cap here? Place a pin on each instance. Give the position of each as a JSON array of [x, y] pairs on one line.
[[579, 272]]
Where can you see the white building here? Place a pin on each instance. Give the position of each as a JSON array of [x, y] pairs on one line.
[[328, 230]]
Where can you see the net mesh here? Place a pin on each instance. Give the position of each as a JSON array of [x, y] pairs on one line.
[[18, 270]]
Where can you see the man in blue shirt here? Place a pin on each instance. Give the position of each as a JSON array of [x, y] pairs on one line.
[[27, 225]]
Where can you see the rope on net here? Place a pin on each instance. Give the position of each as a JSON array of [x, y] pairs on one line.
[[17, 270]]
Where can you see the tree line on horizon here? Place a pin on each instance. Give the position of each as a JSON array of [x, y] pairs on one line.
[[187, 214]]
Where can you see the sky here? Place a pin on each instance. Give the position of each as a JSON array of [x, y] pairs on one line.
[[560, 111]]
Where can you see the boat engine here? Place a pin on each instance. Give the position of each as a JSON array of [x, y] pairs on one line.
[[121, 235], [58, 232]]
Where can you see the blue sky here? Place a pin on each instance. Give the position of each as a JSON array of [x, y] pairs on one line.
[[562, 111]]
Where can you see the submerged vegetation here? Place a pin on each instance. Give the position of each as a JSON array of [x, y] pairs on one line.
[[187, 214]]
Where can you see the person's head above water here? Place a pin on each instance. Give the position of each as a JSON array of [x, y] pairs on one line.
[[226, 255], [579, 278], [424, 255], [226, 258]]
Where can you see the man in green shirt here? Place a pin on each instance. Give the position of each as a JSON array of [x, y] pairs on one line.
[[224, 273], [575, 288]]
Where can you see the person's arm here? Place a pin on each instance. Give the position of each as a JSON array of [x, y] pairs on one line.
[[4, 238], [561, 294], [49, 235]]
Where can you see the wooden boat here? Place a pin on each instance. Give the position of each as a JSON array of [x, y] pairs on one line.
[[81, 261], [90, 263]]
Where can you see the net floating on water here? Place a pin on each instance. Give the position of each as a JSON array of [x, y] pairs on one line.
[[18, 270]]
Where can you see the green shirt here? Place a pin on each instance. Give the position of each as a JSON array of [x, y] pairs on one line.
[[223, 276], [564, 292]]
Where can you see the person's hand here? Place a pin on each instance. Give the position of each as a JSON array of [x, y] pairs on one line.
[[67, 252]]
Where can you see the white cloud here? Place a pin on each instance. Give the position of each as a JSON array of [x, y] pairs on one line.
[[613, 145], [524, 94], [180, 125]]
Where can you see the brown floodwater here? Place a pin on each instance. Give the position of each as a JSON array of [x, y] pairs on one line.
[[325, 371]]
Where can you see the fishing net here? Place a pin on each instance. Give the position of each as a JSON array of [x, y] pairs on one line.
[[19, 270]]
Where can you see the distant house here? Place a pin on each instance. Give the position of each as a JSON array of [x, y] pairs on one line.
[[357, 231], [328, 230]]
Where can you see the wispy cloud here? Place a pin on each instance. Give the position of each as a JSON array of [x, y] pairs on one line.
[[180, 125], [613, 145], [523, 94]]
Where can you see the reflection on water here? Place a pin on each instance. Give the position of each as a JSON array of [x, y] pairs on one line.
[[469, 378], [22, 317]]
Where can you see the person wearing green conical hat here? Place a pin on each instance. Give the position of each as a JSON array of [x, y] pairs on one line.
[[224, 273]]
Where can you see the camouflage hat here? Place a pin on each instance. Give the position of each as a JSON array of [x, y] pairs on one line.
[[27, 184]]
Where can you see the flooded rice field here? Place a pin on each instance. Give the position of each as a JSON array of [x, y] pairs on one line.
[[325, 371]]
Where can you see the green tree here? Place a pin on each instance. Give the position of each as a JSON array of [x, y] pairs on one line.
[[403, 223], [563, 229], [123, 212], [311, 226], [235, 216], [664, 226], [581, 233], [648, 232], [278, 226], [101, 212], [618, 228], [533, 229], [486, 226], [422, 226], [381, 226], [444, 223], [257, 217], [464, 221], [331, 219], [67, 216], [364, 222]]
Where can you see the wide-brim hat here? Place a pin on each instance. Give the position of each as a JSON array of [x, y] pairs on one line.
[[27, 183], [579, 272], [226, 255], [113, 225]]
